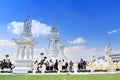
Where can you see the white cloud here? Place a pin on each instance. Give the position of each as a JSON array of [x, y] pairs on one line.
[[74, 53], [113, 31], [77, 41], [78, 52], [7, 43], [7, 47], [12, 52], [38, 28], [15, 27], [116, 52]]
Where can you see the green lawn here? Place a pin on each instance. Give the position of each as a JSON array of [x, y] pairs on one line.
[[61, 77]]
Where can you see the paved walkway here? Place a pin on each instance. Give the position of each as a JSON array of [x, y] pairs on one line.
[[80, 73]]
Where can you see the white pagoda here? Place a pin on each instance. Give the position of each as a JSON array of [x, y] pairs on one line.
[[25, 44], [55, 49]]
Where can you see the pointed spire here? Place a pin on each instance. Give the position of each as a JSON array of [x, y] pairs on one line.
[[54, 29], [108, 45], [54, 22], [27, 27], [28, 17]]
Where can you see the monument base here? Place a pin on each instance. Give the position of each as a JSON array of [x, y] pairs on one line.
[[23, 66]]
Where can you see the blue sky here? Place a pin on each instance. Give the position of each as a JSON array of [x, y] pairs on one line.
[[96, 21]]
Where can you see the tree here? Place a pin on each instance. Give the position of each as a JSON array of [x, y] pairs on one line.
[[6, 56], [41, 55], [45, 57]]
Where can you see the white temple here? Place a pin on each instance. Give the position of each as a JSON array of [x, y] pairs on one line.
[[55, 50], [25, 44], [53, 40]]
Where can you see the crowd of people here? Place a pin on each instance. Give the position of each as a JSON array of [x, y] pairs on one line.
[[6, 63], [49, 64], [54, 65]]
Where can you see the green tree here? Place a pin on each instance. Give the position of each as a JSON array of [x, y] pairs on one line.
[[41, 55], [45, 57], [6, 56]]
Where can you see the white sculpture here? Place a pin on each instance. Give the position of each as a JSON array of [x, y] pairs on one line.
[[35, 67], [43, 68], [54, 50], [25, 44], [59, 67], [107, 50], [27, 28], [104, 64], [75, 65], [61, 52], [53, 39]]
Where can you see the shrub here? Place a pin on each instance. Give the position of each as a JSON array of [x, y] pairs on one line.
[[100, 70], [30, 71], [64, 71], [38, 71], [51, 71], [84, 71], [117, 69], [6, 71]]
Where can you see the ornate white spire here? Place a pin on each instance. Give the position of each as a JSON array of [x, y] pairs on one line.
[[27, 28], [53, 29]]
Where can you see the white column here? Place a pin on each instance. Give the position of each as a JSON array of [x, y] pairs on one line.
[[28, 52], [23, 52], [32, 52], [18, 51], [49, 44], [62, 51], [53, 44]]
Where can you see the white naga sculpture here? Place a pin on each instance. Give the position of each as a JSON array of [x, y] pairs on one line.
[[107, 51]]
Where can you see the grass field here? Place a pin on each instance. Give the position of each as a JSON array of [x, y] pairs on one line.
[[61, 77]]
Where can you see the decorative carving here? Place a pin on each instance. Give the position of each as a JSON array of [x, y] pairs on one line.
[[27, 28]]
